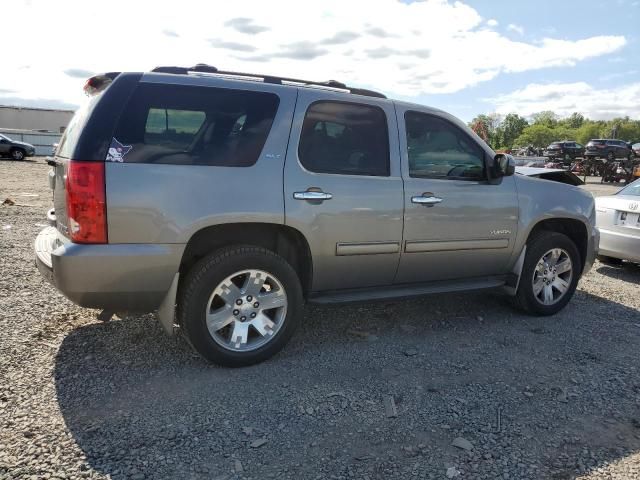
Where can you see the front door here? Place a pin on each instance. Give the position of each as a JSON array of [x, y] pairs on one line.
[[343, 189], [458, 225]]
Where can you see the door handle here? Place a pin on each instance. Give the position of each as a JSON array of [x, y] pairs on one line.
[[312, 195], [427, 199]]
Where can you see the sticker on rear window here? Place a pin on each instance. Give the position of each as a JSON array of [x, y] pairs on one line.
[[117, 151]]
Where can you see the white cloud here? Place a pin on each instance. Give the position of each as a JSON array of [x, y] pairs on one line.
[[512, 27], [429, 47], [566, 98], [492, 22]]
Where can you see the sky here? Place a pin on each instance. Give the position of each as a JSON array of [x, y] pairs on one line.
[[466, 57]]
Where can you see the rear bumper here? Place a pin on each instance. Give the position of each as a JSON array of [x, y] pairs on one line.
[[620, 245], [117, 277]]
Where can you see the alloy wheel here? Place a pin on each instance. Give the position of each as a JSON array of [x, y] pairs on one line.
[[552, 276]]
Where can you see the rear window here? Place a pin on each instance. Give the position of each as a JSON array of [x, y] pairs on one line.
[[597, 142], [72, 133], [171, 124]]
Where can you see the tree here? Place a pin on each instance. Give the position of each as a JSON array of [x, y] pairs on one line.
[[547, 118], [511, 128], [575, 120], [538, 135], [487, 125]]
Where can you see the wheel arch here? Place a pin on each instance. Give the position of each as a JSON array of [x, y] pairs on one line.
[[573, 228], [286, 241]]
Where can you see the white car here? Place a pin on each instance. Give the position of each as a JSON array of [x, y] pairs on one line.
[[618, 218]]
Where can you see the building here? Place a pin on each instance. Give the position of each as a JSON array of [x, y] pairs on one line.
[[41, 119], [41, 127]]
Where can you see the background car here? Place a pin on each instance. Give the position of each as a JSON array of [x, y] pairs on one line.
[[609, 149], [618, 218], [567, 151], [15, 149]]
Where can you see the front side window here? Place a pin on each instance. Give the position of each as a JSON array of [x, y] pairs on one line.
[[439, 149], [186, 125], [345, 138]]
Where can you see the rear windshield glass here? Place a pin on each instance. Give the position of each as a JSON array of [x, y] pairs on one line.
[[172, 124], [71, 134], [633, 189], [598, 142]]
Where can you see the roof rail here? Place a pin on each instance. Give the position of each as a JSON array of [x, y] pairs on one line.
[[204, 68]]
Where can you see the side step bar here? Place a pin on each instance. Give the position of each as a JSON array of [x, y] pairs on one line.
[[403, 291]]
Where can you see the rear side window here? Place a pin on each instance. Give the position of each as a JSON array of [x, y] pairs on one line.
[[196, 125], [439, 149], [345, 138]]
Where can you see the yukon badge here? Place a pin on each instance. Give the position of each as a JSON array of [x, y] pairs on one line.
[[500, 232], [633, 206]]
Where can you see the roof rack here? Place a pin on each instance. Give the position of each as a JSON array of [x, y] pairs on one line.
[[204, 68]]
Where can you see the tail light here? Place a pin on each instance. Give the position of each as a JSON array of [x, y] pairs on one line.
[[86, 203]]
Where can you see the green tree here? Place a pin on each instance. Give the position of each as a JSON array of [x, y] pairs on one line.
[[575, 120], [511, 128], [547, 118], [488, 124], [538, 135]]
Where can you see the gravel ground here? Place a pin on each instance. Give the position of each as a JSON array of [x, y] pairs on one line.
[[365, 391]]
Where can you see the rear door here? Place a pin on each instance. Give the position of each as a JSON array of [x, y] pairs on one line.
[[457, 224], [343, 189]]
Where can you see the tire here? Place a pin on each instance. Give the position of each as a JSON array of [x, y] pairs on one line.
[[539, 248], [17, 154], [609, 260], [215, 277], [567, 158]]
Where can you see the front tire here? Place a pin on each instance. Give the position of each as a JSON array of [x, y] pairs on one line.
[[17, 154], [550, 274]]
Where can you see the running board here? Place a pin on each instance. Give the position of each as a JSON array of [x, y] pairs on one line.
[[407, 290]]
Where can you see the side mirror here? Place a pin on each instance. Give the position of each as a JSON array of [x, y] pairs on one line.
[[503, 165]]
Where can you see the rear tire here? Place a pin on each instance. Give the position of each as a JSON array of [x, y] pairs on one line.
[[219, 305], [550, 274], [17, 154]]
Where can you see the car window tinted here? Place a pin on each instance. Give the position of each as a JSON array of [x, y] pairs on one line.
[[345, 138], [439, 149], [196, 125]]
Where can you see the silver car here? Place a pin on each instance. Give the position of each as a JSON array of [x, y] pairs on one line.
[[618, 218], [225, 200]]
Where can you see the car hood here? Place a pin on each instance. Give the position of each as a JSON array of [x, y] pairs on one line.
[[22, 144]]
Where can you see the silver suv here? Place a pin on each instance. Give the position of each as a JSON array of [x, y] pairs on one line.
[[226, 200]]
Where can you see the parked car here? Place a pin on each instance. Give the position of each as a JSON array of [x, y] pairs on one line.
[[553, 174], [609, 149], [618, 219], [566, 151], [225, 200], [15, 149]]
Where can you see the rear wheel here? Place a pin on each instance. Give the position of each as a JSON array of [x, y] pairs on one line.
[[550, 274], [240, 305], [17, 154]]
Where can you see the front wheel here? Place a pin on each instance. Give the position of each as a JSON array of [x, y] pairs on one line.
[[240, 305], [550, 274], [17, 154]]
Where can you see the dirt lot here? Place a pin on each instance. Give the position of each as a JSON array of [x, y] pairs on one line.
[[531, 397]]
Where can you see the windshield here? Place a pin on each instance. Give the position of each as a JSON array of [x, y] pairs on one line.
[[72, 132], [632, 189]]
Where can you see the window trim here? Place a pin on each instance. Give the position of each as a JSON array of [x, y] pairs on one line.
[[485, 173], [358, 104]]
